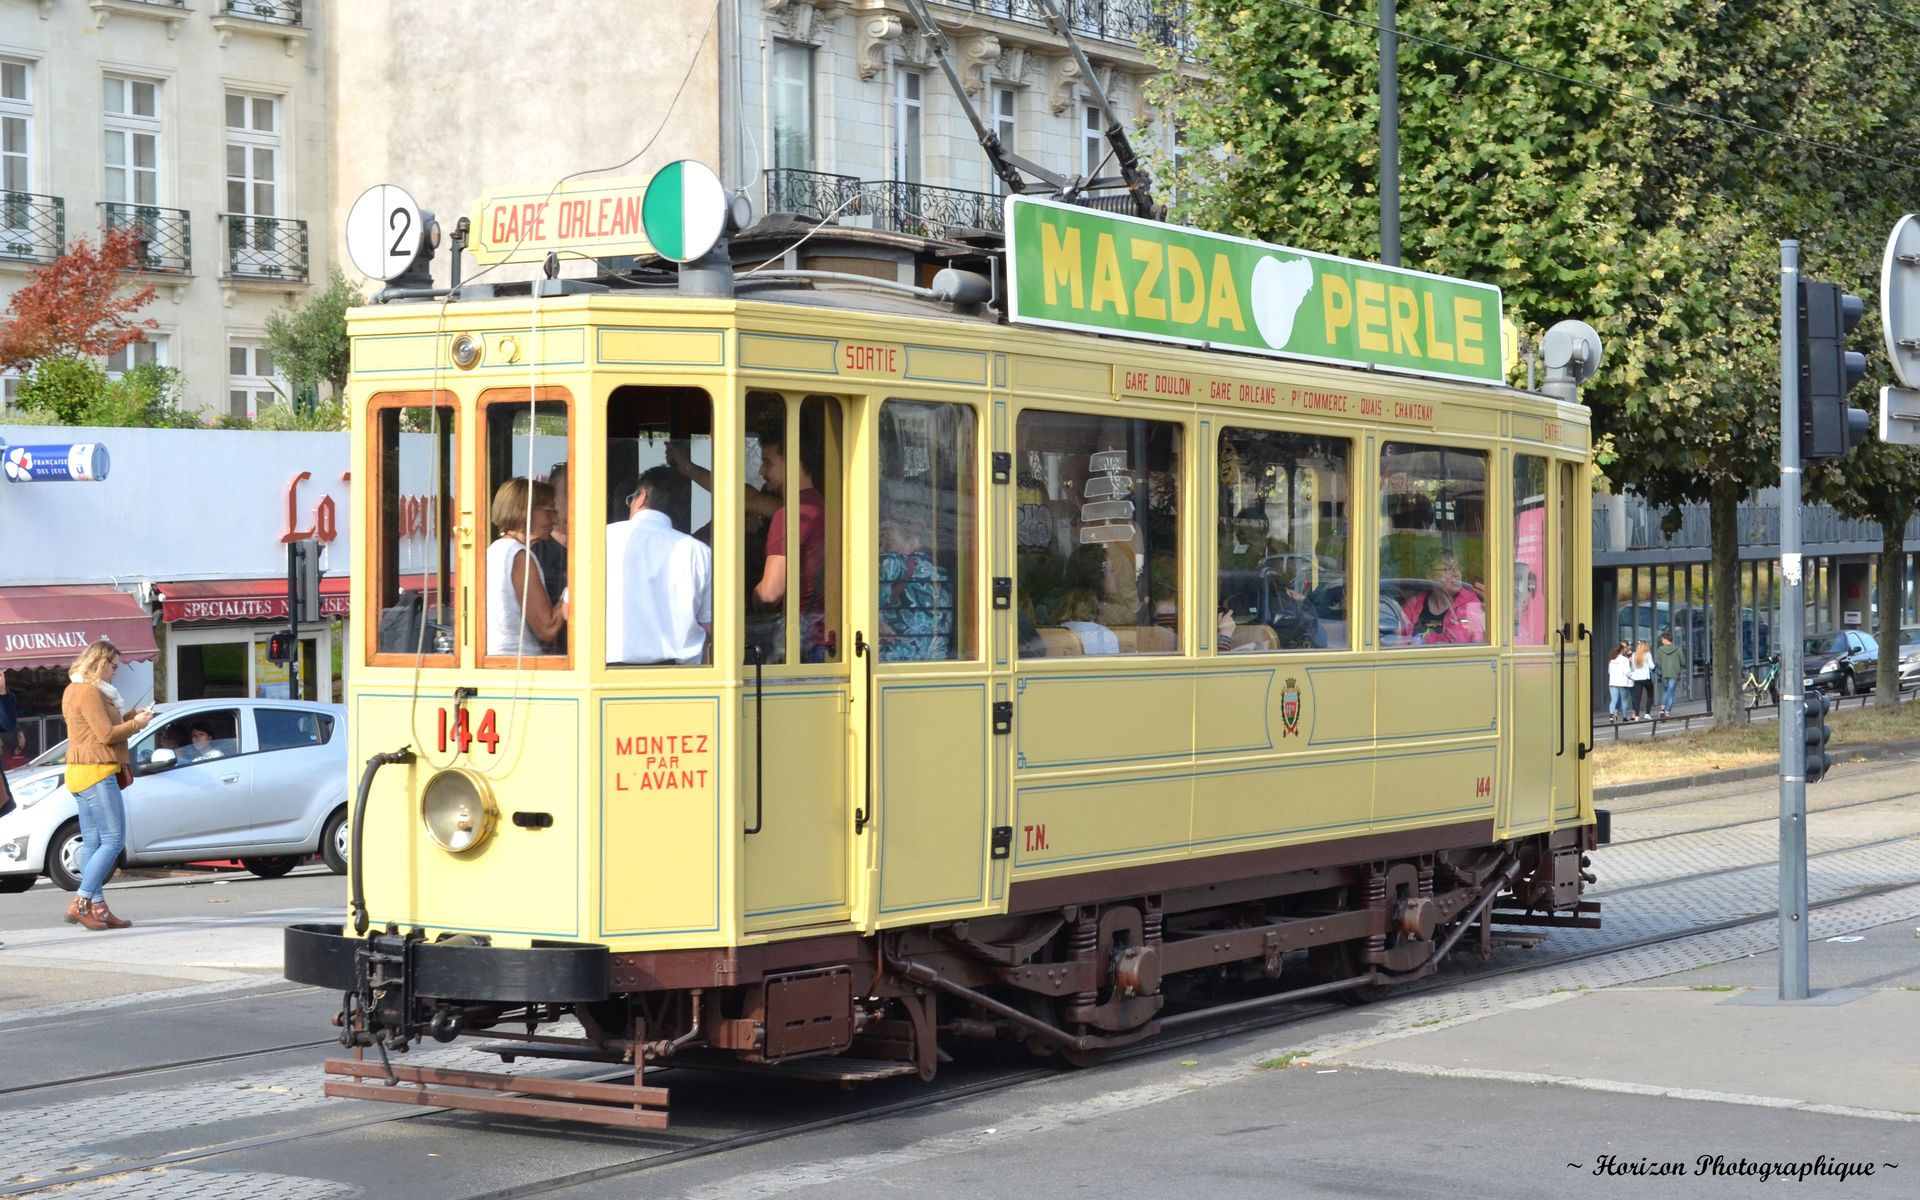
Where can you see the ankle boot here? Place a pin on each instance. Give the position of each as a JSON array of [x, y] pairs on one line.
[[106, 918], [74, 908], [85, 916]]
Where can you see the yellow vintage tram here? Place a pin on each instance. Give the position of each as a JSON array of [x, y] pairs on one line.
[[1106, 667]]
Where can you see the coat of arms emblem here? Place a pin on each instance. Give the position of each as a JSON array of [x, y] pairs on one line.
[[1290, 708]]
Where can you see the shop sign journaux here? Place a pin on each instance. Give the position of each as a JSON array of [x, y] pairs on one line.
[[1075, 268]]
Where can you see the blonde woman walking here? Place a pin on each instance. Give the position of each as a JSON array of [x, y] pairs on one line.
[[97, 768], [1641, 672]]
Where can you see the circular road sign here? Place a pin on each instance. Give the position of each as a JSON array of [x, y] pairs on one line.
[[383, 231], [1900, 299], [685, 210]]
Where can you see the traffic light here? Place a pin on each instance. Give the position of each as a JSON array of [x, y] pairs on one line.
[[1815, 706], [280, 646], [303, 566], [1829, 426]]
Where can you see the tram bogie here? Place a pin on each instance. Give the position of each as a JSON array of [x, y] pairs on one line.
[[1105, 673]]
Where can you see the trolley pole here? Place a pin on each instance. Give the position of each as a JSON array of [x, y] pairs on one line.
[[1389, 133], [1793, 714]]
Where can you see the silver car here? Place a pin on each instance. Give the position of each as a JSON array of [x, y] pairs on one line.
[[263, 781]]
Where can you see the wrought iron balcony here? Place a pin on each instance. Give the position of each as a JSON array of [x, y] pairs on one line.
[[811, 193], [279, 12], [927, 210], [1126, 21], [162, 237], [273, 248], [32, 228]]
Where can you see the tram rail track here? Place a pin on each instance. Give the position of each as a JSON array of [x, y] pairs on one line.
[[1281, 1016]]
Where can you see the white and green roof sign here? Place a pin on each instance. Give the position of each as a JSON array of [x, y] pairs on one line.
[[1075, 268]]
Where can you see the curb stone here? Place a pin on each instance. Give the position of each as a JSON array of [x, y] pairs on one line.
[[1644, 787]]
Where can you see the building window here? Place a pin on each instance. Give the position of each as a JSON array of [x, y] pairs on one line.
[[10, 387], [251, 382], [132, 109], [253, 155], [906, 126], [16, 130], [135, 354], [1004, 127], [1093, 141], [792, 86]]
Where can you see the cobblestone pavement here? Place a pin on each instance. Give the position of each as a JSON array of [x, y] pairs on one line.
[[1864, 836]]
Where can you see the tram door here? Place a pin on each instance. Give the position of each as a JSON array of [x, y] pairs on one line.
[[1570, 688], [1535, 697], [923, 670]]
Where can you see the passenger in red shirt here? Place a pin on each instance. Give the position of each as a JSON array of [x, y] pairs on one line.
[[772, 588]]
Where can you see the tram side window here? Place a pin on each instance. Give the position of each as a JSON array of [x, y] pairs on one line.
[[523, 587], [659, 526], [927, 531], [1098, 530], [1529, 550], [1433, 545], [414, 588], [1283, 541], [796, 461]]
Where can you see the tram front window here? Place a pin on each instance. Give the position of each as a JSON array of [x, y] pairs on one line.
[[523, 589], [1098, 528], [1433, 545], [414, 467], [659, 527]]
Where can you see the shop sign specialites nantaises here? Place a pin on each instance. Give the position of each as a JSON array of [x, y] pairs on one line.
[[1077, 268]]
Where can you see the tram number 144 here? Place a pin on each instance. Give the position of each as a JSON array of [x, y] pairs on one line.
[[464, 734]]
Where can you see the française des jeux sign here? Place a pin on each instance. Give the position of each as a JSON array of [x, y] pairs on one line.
[[1075, 268]]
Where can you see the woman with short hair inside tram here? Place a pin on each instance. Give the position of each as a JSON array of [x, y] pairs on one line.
[[98, 766]]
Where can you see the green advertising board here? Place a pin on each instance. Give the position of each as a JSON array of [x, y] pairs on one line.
[[1075, 268]]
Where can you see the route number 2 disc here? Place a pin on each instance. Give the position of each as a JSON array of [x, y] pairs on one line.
[[383, 231]]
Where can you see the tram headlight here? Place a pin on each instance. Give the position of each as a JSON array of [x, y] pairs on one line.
[[458, 809]]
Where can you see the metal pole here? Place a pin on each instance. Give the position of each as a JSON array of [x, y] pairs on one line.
[[293, 622], [1389, 134], [1793, 717]]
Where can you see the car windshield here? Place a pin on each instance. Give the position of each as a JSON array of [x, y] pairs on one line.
[[53, 756], [1826, 643]]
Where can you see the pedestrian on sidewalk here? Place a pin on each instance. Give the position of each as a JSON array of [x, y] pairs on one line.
[[1641, 672], [1669, 664], [1619, 682], [98, 766]]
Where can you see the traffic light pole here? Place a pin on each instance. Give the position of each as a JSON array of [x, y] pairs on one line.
[[1793, 715], [293, 621]]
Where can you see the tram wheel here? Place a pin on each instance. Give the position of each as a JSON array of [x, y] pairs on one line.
[[1342, 961]]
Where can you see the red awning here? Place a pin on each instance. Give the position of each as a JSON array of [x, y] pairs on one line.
[[49, 626], [243, 599]]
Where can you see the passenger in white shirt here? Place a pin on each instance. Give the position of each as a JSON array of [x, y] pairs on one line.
[[659, 580]]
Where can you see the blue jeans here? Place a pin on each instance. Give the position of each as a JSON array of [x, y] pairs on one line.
[[1666, 698], [1619, 705], [103, 834]]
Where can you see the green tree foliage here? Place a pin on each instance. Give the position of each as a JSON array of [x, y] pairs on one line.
[[74, 390], [309, 341], [1630, 165]]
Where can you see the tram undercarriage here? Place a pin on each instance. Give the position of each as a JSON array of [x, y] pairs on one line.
[[1072, 981]]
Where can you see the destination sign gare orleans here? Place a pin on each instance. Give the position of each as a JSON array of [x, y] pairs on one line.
[[1075, 268]]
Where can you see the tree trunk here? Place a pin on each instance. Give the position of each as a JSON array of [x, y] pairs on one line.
[[1723, 509], [1893, 554]]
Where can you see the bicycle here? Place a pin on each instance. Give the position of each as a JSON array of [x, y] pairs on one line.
[[1763, 680]]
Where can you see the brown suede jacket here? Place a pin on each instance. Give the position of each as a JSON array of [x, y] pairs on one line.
[[95, 732]]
